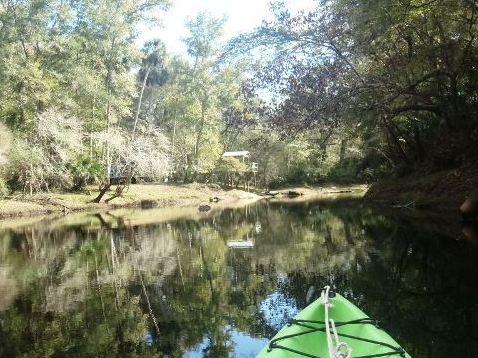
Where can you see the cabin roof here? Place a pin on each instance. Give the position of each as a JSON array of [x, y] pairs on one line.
[[240, 153]]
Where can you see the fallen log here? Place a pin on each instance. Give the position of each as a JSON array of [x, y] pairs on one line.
[[292, 194]]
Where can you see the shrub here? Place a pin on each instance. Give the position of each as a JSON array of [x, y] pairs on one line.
[[85, 171], [230, 164], [39, 162], [346, 170], [29, 169]]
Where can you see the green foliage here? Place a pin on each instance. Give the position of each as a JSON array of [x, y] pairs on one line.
[[399, 76], [85, 171], [201, 106], [230, 164], [66, 72], [346, 170], [359, 91]]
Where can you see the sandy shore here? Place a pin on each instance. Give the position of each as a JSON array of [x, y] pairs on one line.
[[138, 196]]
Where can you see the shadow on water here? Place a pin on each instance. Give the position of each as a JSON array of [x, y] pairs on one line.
[[222, 285]]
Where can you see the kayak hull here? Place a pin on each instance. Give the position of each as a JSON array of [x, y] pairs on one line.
[[308, 339]]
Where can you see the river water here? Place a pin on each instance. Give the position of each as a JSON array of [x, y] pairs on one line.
[[152, 283]]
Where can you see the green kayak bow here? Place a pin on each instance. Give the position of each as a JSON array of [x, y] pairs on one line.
[[332, 327]]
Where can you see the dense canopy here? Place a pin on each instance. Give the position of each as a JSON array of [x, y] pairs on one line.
[[349, 91]]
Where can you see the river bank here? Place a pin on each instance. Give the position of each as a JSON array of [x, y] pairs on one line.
[[444, 189], [148, 196], [138, 196], [324, 192]]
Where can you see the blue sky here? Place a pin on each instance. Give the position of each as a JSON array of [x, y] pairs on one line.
[[242, 16]]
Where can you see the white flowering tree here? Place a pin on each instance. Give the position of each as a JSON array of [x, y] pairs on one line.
[[40, 160], [5, 141], [145, 155]]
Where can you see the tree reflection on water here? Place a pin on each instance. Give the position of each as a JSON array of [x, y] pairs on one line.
[[104, 286]]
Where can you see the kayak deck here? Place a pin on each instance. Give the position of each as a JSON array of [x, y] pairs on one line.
[[305, 335]]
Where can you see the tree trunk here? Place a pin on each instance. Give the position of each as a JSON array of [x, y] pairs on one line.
[[108, 153], [92, 124], [103, 189], [118, 193], [91, 140], [200, 130], [418, 142], [343, 146], [173, 142], [140, 100], [108, 113]]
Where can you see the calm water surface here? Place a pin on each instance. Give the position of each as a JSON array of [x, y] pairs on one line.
[[135, 284]]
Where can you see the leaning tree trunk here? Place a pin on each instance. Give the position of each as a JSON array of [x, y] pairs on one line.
[[103, 190], [140, 100]]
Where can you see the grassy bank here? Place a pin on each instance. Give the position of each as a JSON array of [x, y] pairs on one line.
[[147, 196], [162, 196]]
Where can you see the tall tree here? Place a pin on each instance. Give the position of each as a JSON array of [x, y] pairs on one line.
[[405, 67]]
